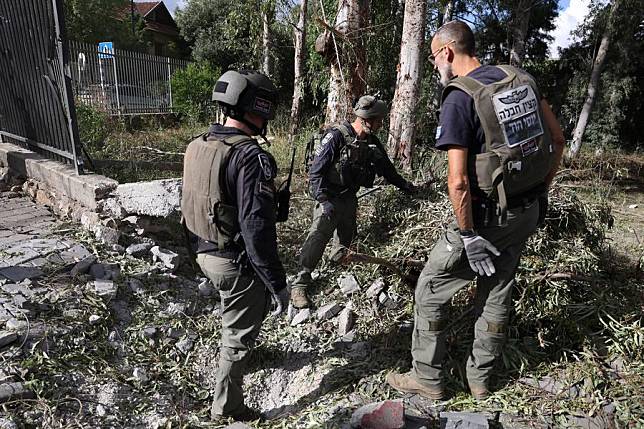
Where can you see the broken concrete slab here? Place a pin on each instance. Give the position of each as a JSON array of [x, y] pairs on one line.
[[238, 425], [301, 317], [346, 320], [15, 325], [461, 420], [138, 249], [329, 310], [348, 284], [14, 391], [7, 338], [159, 198], [105, 271], [83, 266], [169, 259], [106, 289], [380, 415], [376, 287], [19, 273]]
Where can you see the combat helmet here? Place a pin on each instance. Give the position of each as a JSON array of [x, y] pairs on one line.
[[369, 107], [245, 91]]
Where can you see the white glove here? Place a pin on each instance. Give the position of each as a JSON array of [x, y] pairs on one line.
[[280, 301], [477, 249]]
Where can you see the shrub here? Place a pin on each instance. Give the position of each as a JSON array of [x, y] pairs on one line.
[[192, 89], [93, 126]]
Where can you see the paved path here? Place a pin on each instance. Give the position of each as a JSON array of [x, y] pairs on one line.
[[27, 247]]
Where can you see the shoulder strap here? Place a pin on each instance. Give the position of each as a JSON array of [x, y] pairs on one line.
[[236, 139], [344, 131], [507, 69]]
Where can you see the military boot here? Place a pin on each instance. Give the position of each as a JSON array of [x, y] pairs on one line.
[[299, 298], [480, 392], [246, 414], [408, 384]]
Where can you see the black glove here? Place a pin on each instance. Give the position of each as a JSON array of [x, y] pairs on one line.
[[327, 208], [543, 209], [280, 301]]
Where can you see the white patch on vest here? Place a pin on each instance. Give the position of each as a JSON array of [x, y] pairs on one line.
[[439, 132], [517, 110], [327, 138], [449, 247]]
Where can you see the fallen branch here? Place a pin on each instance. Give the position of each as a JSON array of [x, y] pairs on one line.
[[160, 152]]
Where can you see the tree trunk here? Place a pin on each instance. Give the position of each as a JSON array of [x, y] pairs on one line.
[[519, 29], [348, 59], [298, 81], [268, 14], [402, 120], [586, 110]]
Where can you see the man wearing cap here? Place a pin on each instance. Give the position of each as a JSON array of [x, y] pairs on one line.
[[228, 207], [348, 156]]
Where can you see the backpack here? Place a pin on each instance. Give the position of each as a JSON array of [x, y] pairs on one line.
[[518, 152], [314, 144]]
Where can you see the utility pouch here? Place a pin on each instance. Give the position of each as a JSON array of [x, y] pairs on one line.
[[283, 203]]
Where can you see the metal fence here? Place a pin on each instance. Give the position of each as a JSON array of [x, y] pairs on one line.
[[123, 82], [36, 101]]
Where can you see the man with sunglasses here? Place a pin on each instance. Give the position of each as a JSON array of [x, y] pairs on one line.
[[503, 146], [348, 156]]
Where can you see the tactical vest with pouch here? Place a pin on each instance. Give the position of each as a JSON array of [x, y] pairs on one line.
[[351, 168], [204, 206], [518, 152]]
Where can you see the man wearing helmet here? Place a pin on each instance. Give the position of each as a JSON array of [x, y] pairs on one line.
[[228, 206], [348, 156]]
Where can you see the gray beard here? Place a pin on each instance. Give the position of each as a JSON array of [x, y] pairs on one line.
[[446, 74]]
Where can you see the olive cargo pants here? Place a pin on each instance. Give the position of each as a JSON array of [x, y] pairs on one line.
[[245, 303], [343, 223], [446, 272]]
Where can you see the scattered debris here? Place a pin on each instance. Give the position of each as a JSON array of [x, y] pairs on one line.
[[453, 420], [376, 287], [7, 338], [106, 289], [14, 391], [138, 249], [83, 266]]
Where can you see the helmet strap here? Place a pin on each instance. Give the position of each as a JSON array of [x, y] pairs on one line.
[[239, 116]]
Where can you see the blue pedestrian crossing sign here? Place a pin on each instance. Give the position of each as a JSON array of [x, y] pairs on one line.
[[105, 49]]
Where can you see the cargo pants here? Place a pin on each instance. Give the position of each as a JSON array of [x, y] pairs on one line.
[[342, 223], [245, 302], [445, 273]]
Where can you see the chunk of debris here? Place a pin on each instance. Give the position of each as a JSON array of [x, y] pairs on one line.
[[346, 320], [140, 375], [301, 317], [13, 391], [150, 332], [184, 345], [94, 319], [105, 271], [83, 266], [19, 273], [348, 284], [380, 415], [385, 300], [328, 311], [458, 420], [106, 289], [138, 249], [7, 338], [15, 325], [107, 235], [376, 287], [135, 285], [169, 259]]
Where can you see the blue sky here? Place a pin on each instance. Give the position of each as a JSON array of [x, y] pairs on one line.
[[572, 12]]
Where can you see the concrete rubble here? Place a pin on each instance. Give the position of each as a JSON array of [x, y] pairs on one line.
[[346, 320], [348, 284], [329, 311], [169, 259], [301, 317], [379, 415]]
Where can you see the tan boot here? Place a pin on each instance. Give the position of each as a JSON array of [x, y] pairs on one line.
[[408, 384], [480, 392], [299, 299]]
